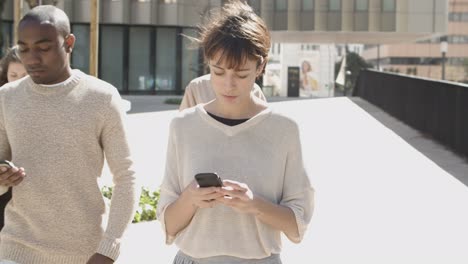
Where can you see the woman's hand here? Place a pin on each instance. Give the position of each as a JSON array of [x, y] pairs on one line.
[[238, 196], [201, 197], [180, 213]]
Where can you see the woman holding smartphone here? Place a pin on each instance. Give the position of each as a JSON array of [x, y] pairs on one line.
[[11, 69], [256, 151]]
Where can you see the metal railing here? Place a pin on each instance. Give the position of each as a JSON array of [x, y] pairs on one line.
[[438, 109]]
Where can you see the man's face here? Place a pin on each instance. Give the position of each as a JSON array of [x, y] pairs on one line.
[[44, 52]]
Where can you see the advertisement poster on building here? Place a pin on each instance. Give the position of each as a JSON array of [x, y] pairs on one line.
[[316, 64], [309, 76], [317, 67]]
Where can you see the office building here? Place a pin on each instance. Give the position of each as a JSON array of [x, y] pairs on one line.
[[142, 49], [425, 58]]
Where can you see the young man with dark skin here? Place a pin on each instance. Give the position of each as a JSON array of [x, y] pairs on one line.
[[59, 124]]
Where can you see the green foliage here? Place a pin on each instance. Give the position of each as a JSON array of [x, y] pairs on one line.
[[175, 101], [107, 192], [412, 71], [354, 64], [146, 207], [465, 66]]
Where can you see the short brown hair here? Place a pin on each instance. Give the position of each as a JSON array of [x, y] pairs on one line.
[[10, 57], [238, 33]]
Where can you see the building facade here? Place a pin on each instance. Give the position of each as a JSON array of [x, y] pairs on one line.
[[424, 58], [142, 48]]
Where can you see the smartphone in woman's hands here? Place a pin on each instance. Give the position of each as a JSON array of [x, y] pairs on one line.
[[208, 179]]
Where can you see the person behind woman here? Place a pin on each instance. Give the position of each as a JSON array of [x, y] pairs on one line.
[[11, 69], [255, 150]]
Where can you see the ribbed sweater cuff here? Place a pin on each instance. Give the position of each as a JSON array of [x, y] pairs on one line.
[[109, 248], [24, 254]]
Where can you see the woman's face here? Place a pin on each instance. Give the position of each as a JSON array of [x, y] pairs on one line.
[[233, 86], [305, 66], [15, 71]]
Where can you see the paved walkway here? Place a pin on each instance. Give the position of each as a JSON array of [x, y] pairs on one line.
[[378, 199], [454, 164]]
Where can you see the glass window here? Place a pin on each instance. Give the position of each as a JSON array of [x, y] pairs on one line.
[[190, 60], [464, 17], [458, 17], [361, 5], [166, 59], [388, 5], [458, 39], [452, 17], [334, 5], [255, 4], [281, 5], [140, 77], [307, 5], [112, 55], [7, 34], [457, 61], [80, 54], [165, 2]]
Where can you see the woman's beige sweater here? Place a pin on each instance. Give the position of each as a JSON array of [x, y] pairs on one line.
[[263, 152]]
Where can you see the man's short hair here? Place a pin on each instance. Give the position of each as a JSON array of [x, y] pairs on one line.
[[49, 14]]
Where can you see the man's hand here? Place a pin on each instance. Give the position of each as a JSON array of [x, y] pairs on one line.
[[99, 259], [11, 176]]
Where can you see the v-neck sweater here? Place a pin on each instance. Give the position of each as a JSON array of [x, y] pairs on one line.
[[228, 121], [60, 135], [264, 152]]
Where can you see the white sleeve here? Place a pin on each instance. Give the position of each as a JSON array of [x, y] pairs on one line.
[[298, 193]]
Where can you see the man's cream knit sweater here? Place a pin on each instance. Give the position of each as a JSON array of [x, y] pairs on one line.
[[263, 152], [60, 135]]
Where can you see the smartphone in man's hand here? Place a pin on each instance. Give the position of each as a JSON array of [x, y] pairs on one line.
[[6, 163], [208, 179]]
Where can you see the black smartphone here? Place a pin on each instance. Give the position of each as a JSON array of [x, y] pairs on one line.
[[208, 179], [6, 163]]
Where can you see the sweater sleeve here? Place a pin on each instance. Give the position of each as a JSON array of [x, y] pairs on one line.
[[258, 92], [189, 99], [170, 187], [125, 195], [5, 150], [298, 194]]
